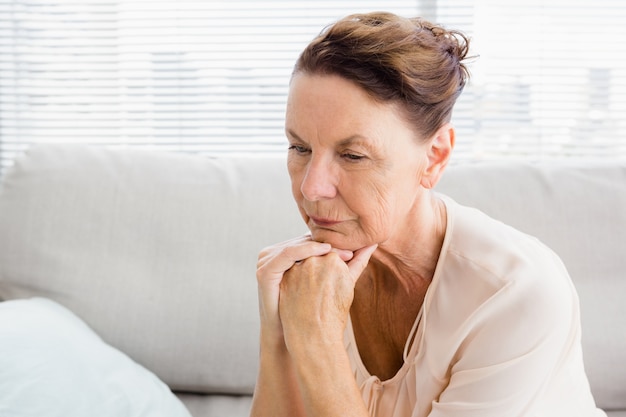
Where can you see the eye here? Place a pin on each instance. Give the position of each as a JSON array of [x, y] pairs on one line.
[[352, 157], [299, 149]]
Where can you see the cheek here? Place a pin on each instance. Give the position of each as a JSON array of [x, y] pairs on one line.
[[295, 190], [375, 208], [296, 181], [295, 175], [386, 203]]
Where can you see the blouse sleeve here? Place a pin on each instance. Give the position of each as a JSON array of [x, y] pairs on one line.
[[512, 348]]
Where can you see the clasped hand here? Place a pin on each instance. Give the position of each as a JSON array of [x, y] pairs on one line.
[[306, 289]]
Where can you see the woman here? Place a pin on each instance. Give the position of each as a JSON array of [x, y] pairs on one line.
[[401, 302]]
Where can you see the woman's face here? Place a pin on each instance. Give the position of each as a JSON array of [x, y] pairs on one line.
[[355, 164]]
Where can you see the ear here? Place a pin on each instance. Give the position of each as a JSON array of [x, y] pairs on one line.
[[439, 151]]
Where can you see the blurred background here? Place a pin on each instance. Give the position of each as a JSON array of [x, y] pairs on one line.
[[211, 77]]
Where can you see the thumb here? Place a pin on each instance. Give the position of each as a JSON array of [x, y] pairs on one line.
[[360, 260]]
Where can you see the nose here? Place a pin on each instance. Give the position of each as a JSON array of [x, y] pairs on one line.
[[319, 181]]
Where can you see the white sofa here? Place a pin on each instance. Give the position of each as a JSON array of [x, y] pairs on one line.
[[157, 251]]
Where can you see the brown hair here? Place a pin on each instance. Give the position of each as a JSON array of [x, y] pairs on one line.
[[411, 62]]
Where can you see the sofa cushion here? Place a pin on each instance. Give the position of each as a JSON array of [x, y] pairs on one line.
[[218, 405], [155, 251], [53, 365]]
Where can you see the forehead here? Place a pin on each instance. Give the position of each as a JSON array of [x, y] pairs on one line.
[[330, 105], [326, 90]]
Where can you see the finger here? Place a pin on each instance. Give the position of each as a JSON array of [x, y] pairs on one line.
[[269, 252], [291, 242], [344, 254], [285, 257], [360, 260]]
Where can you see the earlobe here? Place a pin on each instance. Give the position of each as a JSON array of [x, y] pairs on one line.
[[439, 152]]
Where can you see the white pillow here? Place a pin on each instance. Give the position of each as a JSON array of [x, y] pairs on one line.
[[53, 364]]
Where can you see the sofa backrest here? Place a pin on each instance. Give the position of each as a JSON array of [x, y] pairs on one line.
[[157, 251]]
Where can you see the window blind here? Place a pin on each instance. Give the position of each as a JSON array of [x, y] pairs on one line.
[[212, 76], [198, 76], [550, 81]]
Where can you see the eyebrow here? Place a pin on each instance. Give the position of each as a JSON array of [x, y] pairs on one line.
[[359, 139], [293, 134]]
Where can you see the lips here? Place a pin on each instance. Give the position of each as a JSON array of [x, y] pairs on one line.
[[321, 222]]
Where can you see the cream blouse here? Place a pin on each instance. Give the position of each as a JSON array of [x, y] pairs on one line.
[[498, 334]]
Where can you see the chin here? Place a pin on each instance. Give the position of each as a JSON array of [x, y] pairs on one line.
[[336, 240]]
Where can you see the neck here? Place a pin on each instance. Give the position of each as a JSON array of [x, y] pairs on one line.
[[411, 255]]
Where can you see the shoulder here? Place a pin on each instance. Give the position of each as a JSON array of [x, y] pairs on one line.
[[489, 270], [497, 252], [501, 317]]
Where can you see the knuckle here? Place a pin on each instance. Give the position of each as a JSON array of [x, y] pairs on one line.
[[333, 256]]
